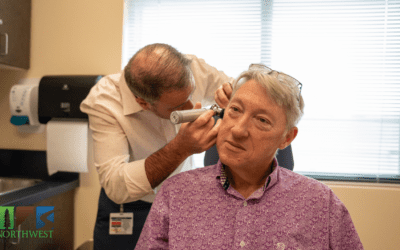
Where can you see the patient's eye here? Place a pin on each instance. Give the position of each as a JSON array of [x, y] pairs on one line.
[[263, 123], [263, 120], [234, 111]]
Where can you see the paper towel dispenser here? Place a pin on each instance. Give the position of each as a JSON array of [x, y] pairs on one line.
[[67, 134], [61, 96], [53, 103]]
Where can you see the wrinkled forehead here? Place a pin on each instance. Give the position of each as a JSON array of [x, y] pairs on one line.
[[240, 82], [252, 91]]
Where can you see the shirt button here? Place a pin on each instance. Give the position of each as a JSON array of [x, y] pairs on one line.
[[242, 244], [245, 203]]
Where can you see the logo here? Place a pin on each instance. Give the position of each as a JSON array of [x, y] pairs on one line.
[[45, 218], [12, 218], [6, 217], [65, 106], [65, 87]]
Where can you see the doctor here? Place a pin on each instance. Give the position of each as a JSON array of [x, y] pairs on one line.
[[136, 147]]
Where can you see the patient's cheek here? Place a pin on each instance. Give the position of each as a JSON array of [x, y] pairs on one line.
[[220, 138]]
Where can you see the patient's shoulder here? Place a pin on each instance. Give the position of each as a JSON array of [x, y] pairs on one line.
[[297, 181], [194, 178]]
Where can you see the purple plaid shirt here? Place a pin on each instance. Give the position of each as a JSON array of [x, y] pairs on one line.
[[198, 209]]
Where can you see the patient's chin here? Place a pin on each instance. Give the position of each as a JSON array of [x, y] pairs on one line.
[[230, 160], [223, 157]]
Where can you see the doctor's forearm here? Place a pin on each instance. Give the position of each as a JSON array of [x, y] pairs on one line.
[[162, 163]]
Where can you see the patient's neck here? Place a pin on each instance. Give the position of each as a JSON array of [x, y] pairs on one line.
[[247, 179]]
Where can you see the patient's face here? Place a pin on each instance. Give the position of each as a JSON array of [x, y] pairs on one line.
[[252, 129]]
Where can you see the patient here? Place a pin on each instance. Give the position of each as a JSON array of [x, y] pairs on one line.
[[246, 200]]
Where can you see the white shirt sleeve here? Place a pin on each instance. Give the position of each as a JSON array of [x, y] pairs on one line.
[[208, 79], [111, 147]]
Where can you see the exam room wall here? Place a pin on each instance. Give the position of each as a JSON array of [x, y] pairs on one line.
[[85, 37], [67, 37]]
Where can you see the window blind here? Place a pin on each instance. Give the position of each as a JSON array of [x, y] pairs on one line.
[[226, 34], [346, 54]]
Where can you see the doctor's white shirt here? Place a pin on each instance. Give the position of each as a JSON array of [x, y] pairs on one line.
[[124, 134]]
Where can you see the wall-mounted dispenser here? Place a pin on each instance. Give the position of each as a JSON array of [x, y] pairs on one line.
[[53, 102], [24, 106]]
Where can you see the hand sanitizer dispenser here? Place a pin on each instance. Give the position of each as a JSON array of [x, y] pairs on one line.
[[24, 106]]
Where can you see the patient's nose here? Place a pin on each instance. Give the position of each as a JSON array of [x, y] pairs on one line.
[[240, 128]]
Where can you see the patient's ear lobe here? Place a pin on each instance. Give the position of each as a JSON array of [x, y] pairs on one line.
[[289, 137]]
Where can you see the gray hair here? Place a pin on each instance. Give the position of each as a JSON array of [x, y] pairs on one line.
[[156, 69], [283, 89]]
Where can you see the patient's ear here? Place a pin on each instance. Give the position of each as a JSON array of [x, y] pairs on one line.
[[143, 103], [289, 137]]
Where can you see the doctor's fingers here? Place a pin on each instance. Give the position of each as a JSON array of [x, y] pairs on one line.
[[227, 87], [211, 138], [209, 144], [204, 119], [197, 105], [212, 134], [215, 129], [221, 98]]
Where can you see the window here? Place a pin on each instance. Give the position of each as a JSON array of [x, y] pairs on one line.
[[346, 54]]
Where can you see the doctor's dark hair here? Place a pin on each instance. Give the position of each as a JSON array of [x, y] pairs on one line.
[[156, 69]]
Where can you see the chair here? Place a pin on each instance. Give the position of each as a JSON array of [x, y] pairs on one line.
[[87, 245], [284, 157]]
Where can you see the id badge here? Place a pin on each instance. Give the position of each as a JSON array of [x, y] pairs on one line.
[[121, 223]]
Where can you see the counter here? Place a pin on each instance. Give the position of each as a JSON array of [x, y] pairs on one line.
[[31, 164], [56, 190], [58, 183]]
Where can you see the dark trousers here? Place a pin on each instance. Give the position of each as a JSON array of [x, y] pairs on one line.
[[102, 238]]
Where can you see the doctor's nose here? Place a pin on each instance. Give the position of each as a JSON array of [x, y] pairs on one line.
[[188, 105]]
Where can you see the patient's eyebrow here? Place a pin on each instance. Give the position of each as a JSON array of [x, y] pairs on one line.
[[257, 109]]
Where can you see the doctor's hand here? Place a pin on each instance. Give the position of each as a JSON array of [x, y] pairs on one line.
[[223, 94], [198, 136]]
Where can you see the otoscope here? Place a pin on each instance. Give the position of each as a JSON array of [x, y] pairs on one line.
[[177, 117]]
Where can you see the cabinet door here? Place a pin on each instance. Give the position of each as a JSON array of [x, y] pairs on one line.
[[15, 33], [24, 242], [62, 237]]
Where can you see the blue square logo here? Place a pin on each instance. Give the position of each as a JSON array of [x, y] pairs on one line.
[[45, 217]]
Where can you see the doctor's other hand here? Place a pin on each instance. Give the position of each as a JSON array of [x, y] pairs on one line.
[[223, 94], [198, 136]]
